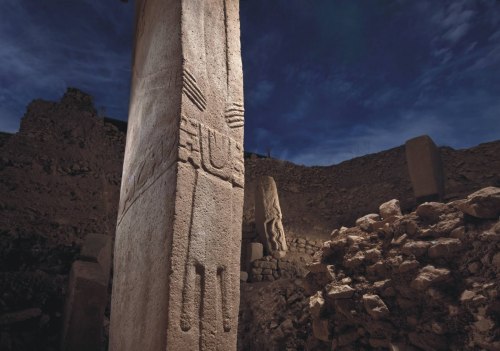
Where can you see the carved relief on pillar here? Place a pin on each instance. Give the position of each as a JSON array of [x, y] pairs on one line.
[[218, 154], [206, 243]]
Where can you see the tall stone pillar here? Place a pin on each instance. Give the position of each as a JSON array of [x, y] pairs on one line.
[[425, 169], [177, 249]]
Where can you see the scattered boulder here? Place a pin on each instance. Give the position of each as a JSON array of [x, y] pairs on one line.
[[366, 222], [390, 209], [484, 203], [431, 211]]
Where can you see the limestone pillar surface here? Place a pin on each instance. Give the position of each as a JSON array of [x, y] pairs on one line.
[[268, 217], [177, 246]]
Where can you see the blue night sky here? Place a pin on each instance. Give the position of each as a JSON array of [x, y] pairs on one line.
[[325, 80]]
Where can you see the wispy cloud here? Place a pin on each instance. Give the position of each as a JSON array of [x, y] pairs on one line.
[[261, 93], [481, 110]]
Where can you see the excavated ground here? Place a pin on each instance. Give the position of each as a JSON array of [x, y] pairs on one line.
[[59, 181]]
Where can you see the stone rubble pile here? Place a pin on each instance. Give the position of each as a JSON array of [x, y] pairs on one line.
[[274, 316], [428, 280]]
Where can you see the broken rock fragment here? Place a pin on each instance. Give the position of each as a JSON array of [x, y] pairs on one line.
[[335, 292], [366, 222], [431, 211], [428, 276], [445, 247], [375, 306]]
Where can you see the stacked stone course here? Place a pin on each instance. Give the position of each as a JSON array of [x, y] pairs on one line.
[[303, 245], [271, 269]]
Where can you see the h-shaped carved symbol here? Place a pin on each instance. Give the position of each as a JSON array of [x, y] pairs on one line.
[[210, 279]]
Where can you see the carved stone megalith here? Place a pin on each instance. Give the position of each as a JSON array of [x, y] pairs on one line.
[[268, 217], [425, 169], [177, 246]]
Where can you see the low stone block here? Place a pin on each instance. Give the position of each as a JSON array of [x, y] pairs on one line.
[[84, 311]]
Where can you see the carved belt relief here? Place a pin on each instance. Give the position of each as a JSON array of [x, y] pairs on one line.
[[217, 153]]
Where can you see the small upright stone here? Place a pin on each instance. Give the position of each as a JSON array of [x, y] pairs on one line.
[[268, 217], [255, 251], [425, 168]]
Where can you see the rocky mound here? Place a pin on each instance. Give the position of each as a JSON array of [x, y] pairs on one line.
[[428, 280], [316, 199], [59, 181]]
